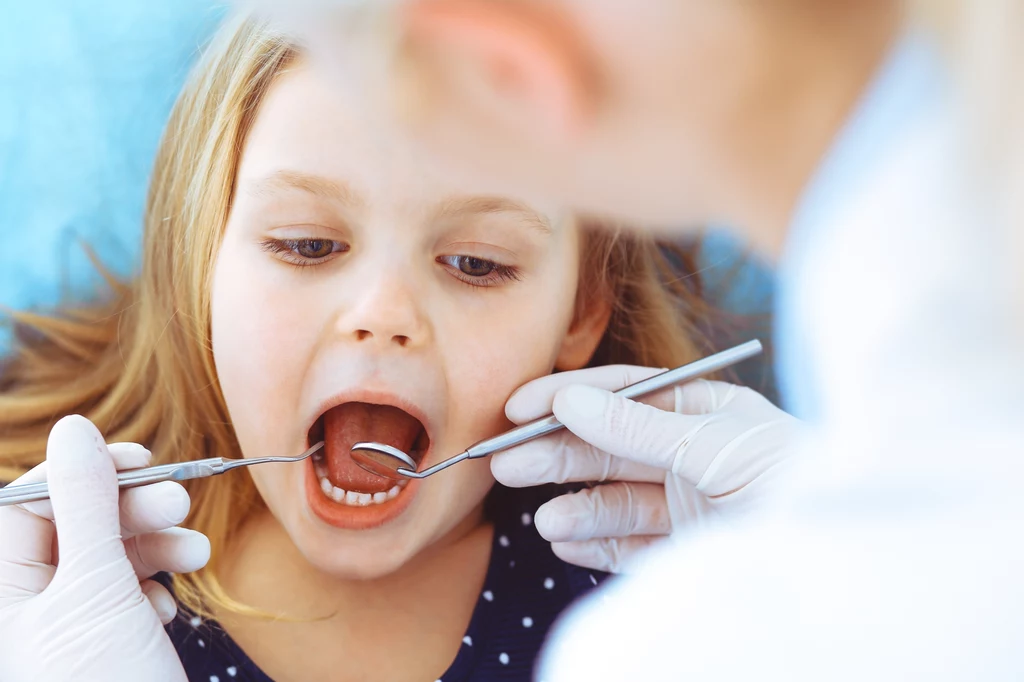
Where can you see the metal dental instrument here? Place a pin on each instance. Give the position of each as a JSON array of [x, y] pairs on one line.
[[133, 478], [390, 462]]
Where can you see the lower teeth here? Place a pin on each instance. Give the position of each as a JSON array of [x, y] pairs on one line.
[[351, 498]]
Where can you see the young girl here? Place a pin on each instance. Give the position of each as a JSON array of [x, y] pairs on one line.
[[305, 281]]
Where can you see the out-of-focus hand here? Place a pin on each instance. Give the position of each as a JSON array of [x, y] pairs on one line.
[[84, 608], [693, 454]]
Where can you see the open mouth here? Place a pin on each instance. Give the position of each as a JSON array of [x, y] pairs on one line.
[[340, 478]]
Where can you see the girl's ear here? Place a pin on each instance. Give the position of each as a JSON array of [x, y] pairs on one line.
[[584, 335], [523, 58]]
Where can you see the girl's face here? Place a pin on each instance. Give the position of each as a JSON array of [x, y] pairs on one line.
[[355, 298]]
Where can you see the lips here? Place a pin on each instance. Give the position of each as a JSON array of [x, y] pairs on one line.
[[342, 426]]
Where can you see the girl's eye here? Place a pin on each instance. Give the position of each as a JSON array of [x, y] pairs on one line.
[[314, 248], [475, 267], [304, 251], [478, 271]]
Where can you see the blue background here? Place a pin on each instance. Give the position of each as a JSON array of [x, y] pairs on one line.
[[85, 89]]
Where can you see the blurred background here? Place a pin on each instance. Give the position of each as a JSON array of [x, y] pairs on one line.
[[85, 89]]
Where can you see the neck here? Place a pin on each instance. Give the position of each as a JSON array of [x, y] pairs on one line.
[[826, 59], [422, 609], [295, 581]]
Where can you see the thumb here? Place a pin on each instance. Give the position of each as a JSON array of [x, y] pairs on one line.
[[635, 431], [84, 493]]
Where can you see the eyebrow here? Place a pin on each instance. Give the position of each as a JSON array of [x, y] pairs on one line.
[[316, 185], [463, 206]]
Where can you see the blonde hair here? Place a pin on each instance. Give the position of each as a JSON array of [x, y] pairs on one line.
[[141, 366]]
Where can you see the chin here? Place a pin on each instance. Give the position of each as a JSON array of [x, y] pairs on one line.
[[349, 561]]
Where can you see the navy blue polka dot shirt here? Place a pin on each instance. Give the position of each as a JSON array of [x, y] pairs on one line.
[[525, 590]]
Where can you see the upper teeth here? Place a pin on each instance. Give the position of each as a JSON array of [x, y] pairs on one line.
[[351, 497]]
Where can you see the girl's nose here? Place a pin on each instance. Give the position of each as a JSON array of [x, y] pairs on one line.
[[387, 312]]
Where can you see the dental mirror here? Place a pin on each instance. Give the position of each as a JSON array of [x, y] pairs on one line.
[[390, 462], [381, 459]]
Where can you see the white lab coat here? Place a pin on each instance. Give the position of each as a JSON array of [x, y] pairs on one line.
[[897, 554]]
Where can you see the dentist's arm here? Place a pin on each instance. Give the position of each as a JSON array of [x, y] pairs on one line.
[[703, 451], [75, 599]]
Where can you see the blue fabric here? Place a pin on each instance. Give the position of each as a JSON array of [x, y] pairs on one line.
[[85, 90], [907, 85]]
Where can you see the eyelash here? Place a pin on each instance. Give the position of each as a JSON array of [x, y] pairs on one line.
[[287, 249], [500, 273]]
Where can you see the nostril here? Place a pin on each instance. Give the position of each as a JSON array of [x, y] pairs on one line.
[[363, 335], [401, 340]]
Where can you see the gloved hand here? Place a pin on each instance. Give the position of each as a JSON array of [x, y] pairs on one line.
[[691, 454], [87, 616]]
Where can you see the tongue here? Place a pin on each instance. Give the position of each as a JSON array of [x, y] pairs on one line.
[[351, 423]]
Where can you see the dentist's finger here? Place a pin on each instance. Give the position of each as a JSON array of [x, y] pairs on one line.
[[612, 555], [153, 507], [26, 565], [615, 510], [563, 458], [148, 509], [28, 546], [174, 550], [129, 455], [161, 600], [26, 549], [84, 494], [534, 399], [736, 436], [635, 431], [125, 456], [142, 510]]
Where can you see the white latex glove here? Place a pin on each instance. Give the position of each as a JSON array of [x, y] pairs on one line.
[[88, 617], [666, 467]]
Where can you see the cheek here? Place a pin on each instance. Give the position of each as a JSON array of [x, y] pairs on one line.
[[258, 337], [501, 345]]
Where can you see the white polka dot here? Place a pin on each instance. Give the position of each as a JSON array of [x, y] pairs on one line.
[[527, 622], [527, 519], [503, 541], [503, 657], [202, 644], [593, 579], [549, 584], [512, 564], [214, 678], [196, 622], [467, 640], [488, 595], [232, 671]]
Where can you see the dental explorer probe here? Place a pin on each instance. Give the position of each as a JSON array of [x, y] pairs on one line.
[[390, 462], [179, 471]]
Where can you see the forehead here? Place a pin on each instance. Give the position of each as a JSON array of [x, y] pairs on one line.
[[304, 125], [305, 137]]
